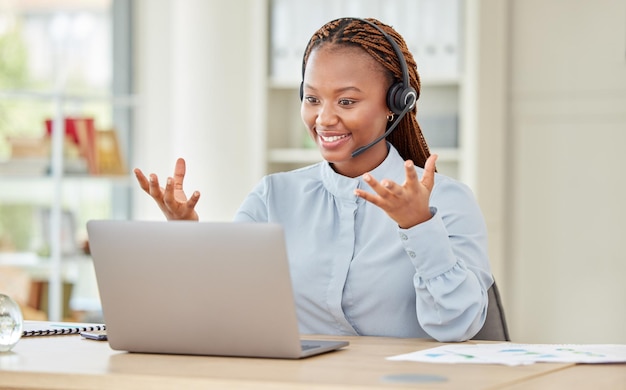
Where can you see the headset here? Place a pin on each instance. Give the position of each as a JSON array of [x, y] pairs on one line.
[[401, 97]]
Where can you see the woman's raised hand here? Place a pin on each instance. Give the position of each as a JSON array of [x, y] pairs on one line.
[[408, 203], [172, 199]]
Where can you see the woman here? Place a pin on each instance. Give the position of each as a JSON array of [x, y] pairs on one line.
[[373, 248]]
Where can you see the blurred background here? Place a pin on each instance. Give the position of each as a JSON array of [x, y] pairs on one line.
[[524, 101]]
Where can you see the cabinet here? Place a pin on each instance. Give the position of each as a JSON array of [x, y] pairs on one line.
[[64, 61], [432, 29]]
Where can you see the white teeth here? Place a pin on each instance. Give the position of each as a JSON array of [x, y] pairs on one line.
[[333, 138]]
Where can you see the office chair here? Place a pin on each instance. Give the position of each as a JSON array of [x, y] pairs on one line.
[[495, 327]]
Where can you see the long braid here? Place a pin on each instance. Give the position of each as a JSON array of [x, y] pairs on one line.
[[407, 138]]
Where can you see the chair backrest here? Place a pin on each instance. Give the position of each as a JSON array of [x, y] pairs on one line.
[[495, 327]]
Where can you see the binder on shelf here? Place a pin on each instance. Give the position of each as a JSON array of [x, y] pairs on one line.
[[86, 134], [437, 53], [448, 15], [109, 159], [47, 328], [283, 63], [98, 150], [79, 136]]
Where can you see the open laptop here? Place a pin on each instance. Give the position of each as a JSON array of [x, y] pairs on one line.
[[198, 288]]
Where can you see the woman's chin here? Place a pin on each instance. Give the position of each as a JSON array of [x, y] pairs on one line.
[[335, 156]]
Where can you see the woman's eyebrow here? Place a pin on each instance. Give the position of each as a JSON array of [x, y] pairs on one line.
[[340, 90]]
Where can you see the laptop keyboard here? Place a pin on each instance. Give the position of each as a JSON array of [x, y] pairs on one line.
[[306, 347]]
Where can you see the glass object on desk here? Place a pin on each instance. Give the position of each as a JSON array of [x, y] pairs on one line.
[[11, 323]]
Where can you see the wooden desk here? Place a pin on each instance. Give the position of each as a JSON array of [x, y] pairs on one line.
[[580, 376], [70, 362]]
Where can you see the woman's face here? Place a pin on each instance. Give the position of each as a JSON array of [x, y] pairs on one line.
[[344, 107]]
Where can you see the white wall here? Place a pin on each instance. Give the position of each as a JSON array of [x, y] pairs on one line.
[[566, 161], [485, 119], [200, 72], [545, 111]]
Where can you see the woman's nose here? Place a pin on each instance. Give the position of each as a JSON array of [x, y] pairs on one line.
[[326, 115]]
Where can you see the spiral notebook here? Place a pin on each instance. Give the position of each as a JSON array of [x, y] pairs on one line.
[[48, 328]]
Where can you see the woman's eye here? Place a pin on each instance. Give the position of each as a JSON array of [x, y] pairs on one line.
[[345, 102], [311, 99]]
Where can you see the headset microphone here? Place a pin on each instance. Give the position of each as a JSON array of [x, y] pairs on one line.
[[382, 137]]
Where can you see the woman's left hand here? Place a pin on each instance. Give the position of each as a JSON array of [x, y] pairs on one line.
[[407, 204]]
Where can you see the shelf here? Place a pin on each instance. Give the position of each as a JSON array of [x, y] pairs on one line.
[[63, 185], [44, 178], [47, 181], [76, 269], [39, 169]]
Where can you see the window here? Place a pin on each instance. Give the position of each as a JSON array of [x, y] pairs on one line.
[[48, 48], [60, 59]]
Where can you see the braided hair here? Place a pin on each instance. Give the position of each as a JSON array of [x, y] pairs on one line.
[[407, 138]]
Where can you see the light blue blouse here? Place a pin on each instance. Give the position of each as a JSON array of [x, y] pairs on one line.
[[355, 272]]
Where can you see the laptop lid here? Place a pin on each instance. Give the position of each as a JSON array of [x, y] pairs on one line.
[[200, 288]]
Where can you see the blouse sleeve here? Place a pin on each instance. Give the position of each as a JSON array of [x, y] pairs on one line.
[[449, 253], [254, 206]]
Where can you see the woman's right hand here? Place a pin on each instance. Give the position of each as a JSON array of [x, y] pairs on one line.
[[172, 199]]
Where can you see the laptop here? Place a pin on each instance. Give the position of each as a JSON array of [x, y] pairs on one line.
[[198, 288]]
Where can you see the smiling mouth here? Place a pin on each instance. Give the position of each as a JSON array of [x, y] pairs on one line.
[[332, 138]]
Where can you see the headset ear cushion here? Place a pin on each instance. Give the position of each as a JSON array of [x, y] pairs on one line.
[[394, 98], [398, 97], [301, 91]]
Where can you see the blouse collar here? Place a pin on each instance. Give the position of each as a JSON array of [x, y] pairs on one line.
[[343, 187]]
